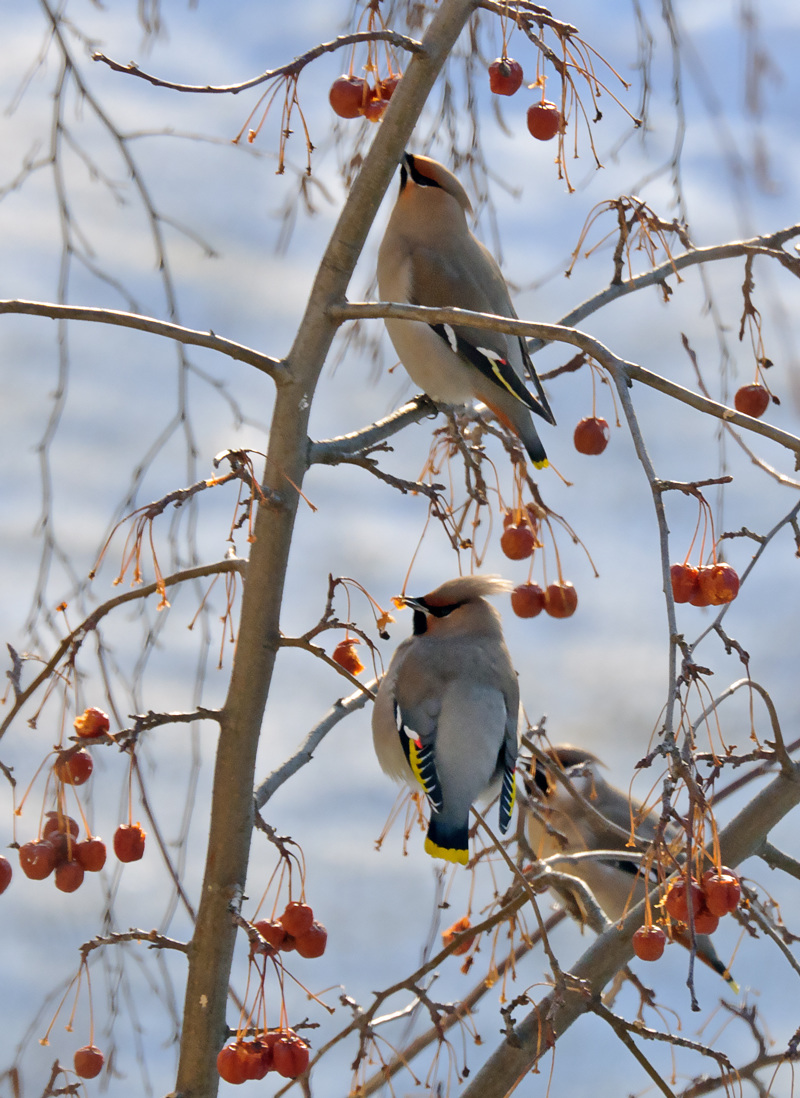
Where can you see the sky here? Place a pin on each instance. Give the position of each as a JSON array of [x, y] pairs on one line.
[[599, 678]]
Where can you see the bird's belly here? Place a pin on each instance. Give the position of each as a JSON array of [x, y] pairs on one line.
[[430, 363]]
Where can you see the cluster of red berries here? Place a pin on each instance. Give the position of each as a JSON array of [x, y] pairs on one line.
[[716, 895], [518, 541], [59, 850], [278, 1050], [354, 97], [296, 929], [705, 585], [544, 118]]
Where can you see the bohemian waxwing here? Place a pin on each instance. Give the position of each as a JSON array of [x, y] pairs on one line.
[[616, 885], [429, 257], [446, 714]]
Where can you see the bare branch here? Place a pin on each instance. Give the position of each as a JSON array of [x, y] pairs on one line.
[[270, 366], [292, 68]]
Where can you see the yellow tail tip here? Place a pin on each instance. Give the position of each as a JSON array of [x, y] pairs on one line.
[[447, 854]]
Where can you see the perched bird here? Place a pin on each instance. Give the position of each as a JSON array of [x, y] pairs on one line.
[[429, 257], [446, 714], [616, 885]]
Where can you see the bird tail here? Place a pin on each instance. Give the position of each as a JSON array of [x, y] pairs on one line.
[[448, 842], [518, 419], [706, 953]]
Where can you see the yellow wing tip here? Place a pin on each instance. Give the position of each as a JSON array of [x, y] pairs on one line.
[[460, 857]]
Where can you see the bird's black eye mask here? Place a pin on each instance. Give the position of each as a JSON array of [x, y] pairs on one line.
[[409, 168], [422, 611]]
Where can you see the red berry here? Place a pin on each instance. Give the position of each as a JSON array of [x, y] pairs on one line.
[[88, 1061], [290, 1055], [527, 600], [273, 933], [684, 582], [705, 921], [254, 1064], [129, 842], [718, 583], [312, 943], [69, 876], [349, 96], [561, 600], [297, 919], [37, 859], [649, 942], [375, 107], [59, 824], [517, 541], [458, 927], [91, 854], [753, 400], [346, 656], [386, 87], [5, 874], [721, 890], [63, 847], [679, 895], [231, 1064], [92, 722], [591, 435], [505, 76], [544, 120], [73, 767]]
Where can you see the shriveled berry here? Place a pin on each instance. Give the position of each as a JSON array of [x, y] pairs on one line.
[[458, 927], [346, 656], [92, 722]]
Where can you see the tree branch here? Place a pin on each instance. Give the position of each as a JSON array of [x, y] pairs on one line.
[[270, 366], [291, 68]]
